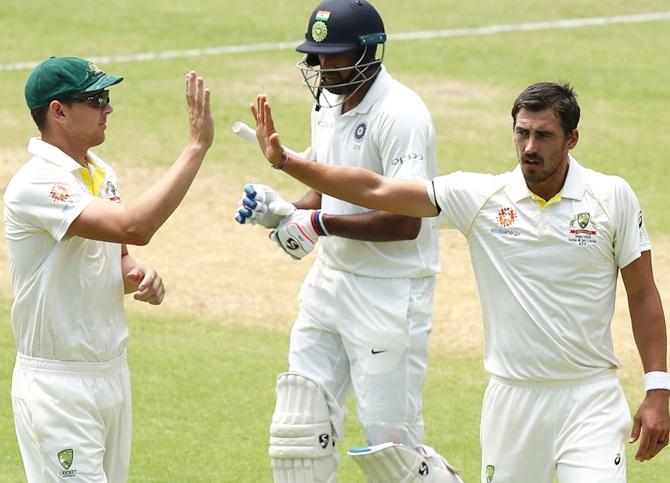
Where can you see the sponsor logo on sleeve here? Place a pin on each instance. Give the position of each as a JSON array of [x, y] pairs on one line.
[[406, 158], [59, 193]]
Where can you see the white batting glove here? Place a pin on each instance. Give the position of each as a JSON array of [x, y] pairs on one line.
[[263, 205], [298, 233]]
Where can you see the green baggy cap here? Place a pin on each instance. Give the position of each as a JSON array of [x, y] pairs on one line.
[[60, 77]]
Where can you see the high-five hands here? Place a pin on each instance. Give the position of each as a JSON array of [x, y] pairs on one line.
[[201, 124], [267, 136]]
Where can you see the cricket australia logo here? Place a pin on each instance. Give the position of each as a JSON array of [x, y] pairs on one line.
[[583, 219], [582, 229], [112, 192], [65, 459], [94, 68], [490, 470]]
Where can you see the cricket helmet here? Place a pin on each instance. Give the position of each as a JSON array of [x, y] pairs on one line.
[[339, 26]]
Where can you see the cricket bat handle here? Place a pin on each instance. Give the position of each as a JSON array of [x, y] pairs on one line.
[[245, 132]]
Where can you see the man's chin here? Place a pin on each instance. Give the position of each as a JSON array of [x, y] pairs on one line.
[[98, 141], [338, 90]]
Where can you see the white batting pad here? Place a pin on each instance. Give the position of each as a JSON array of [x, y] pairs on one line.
[[397, 463], [301, 434]]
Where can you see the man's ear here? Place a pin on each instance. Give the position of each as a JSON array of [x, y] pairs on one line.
[[573, 138], [56, 110]]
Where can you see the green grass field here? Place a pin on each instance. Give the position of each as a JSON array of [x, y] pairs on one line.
[[204, 364]]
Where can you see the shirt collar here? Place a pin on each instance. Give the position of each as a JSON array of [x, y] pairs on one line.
[[54, 155], [573, 187], [378, 87]]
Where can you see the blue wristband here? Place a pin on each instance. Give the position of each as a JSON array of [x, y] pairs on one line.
[[317, 223]]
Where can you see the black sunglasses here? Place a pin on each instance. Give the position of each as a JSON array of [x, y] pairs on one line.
[[99, 100]]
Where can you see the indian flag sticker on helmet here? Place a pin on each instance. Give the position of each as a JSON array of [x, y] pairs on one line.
[[319, 31], [322, 15]]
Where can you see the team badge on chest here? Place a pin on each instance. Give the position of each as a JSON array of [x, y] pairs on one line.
[[583, 229], [112, 192], [359, 135], [360, 131]]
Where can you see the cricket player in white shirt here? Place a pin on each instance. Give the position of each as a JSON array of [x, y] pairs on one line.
[[67, 233], [366, 305], [547, 242]]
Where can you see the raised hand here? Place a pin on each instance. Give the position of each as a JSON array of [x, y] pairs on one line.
[[201, 124], [268, 139]]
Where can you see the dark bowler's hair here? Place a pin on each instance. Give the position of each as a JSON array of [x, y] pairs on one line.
[[543, 95]]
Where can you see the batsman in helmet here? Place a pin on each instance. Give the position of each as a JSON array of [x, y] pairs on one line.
[[366, 305]]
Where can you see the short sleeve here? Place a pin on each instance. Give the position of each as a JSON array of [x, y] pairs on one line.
[[631, 237], [45, 202], [460, 196]]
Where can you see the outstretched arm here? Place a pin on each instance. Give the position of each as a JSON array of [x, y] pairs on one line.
[[644, 303], [137, 222], [355, 185]]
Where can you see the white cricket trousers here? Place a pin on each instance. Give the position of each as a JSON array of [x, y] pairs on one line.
[[576, 430], [370, 334], [73, 419]]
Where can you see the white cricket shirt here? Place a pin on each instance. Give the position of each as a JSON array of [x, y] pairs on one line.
[[546, 277], [68, 292], [390, 133]]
